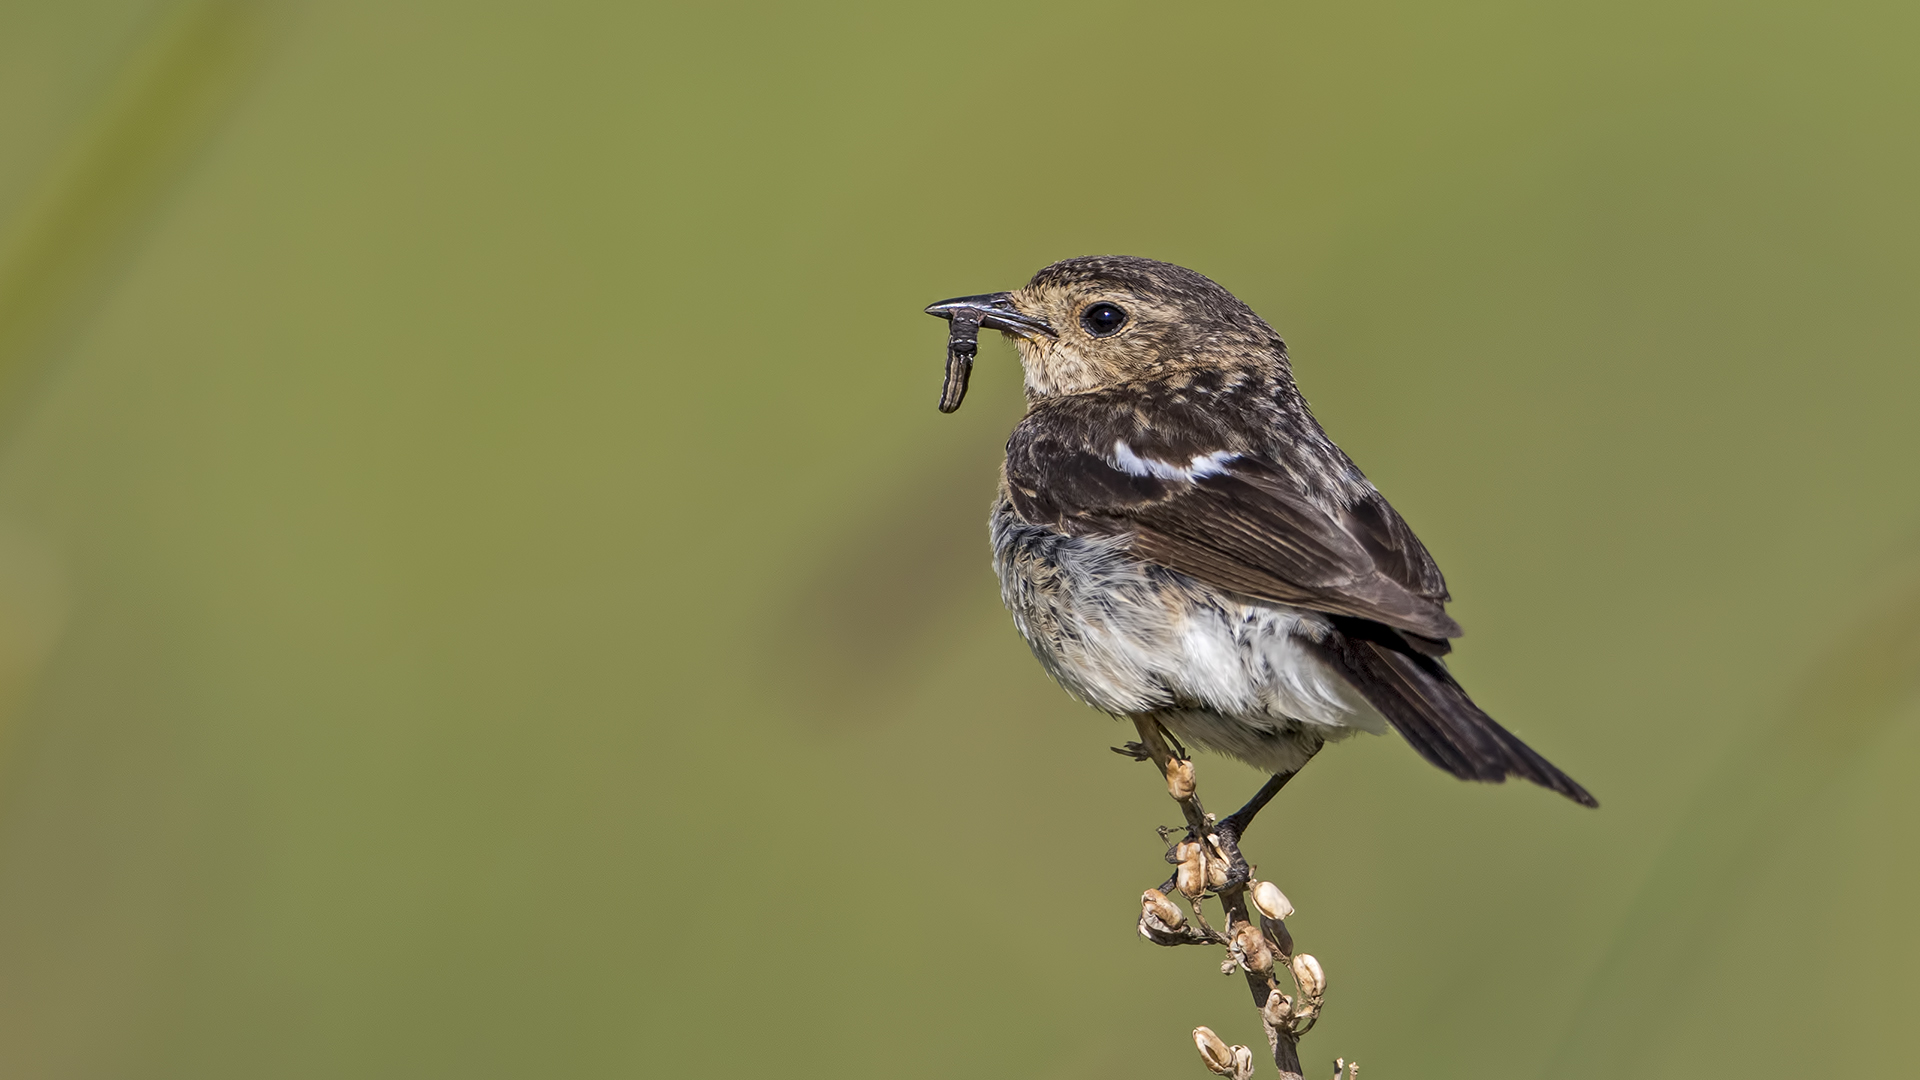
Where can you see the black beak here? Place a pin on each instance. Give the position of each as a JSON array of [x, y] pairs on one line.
[[994, 311], [967, 314]]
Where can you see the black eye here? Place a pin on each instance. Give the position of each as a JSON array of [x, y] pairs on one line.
[[1103, 319]]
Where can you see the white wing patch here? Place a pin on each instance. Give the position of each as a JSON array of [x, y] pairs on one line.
[[1202, 465]]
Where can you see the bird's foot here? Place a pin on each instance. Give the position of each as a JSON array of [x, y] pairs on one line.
[[1225, 841], [1140, 751]]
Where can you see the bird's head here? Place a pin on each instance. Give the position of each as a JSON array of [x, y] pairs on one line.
[[1090, 323]]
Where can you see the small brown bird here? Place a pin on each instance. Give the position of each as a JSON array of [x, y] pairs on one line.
[[1179, 540]]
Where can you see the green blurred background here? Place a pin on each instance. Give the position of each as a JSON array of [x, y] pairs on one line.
[[484, 590]]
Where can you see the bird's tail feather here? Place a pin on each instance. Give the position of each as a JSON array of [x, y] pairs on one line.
[[1423, 703]]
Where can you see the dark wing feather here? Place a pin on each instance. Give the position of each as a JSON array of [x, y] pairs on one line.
[[1253, 527]]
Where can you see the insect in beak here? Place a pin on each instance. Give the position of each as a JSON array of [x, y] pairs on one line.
[[965, 316]]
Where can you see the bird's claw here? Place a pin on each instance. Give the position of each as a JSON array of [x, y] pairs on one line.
[[1227, 839]]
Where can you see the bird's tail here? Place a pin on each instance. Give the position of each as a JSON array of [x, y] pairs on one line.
[[1423, 703]]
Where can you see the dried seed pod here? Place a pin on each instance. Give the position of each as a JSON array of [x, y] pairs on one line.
[[1267, 899], [1180, 779], [1217, 863], [1191, 880], [1214, 1052], [1154, 903], [1191, 877], [1251, 949], [1277, 1010], [1308, 975], [1242, 1062], [1216, 874]]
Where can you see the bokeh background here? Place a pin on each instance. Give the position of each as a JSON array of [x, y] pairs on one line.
[[484, 590]]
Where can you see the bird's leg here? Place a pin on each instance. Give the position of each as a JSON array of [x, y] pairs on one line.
[[1231, 828], [1243, 817], [1222, 838]]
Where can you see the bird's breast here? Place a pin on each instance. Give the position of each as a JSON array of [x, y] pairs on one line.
[[1128, 636]]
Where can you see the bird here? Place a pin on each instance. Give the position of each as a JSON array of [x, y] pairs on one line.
[[1180, 543]]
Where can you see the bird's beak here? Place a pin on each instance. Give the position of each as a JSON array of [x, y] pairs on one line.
[[994, 311], [965, 316]]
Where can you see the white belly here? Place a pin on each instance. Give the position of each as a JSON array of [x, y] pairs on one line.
[[1230, 673]]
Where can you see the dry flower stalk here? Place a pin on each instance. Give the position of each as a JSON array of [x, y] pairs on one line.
[[1257, 941]]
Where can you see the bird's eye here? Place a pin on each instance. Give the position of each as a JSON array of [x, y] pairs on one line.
[[1103, 319]]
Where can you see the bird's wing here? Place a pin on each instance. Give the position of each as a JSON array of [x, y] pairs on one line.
[[1195, 496]]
